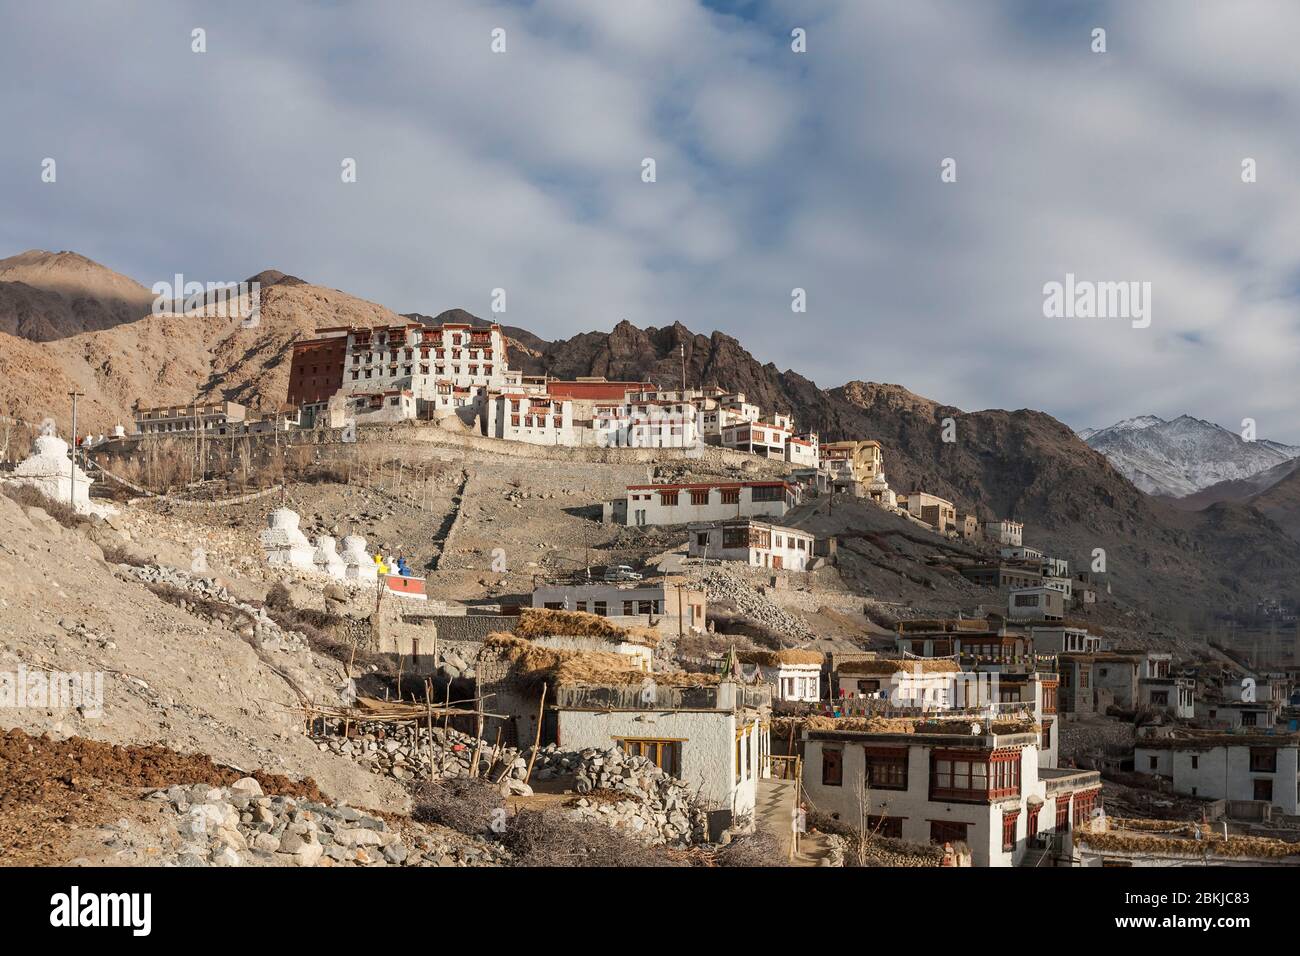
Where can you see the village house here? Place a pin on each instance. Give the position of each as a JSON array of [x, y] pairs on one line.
[[757, 543], [211, 417], [803, 451], [671, 606], [763, 438], [793, 674], [683, 503], [536, 419], [975, 782], [1005, 532], [1053, 639], [712, 734], [1001, 575], [931, 683], [1107, 841], [1036, 603], [968, 527], [852, 462], [1259, 767], [989, 644], [937, 512]]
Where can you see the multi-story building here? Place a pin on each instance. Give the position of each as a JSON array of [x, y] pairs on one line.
[[671, 605], [758, 438], [847, 462], [803, 451], [685, 502], [757, 543], [1260, 767], [937, 512], [1036, 603], [944, 782], [211, 417], [1005, 532], [536, 419], [1003, 575]]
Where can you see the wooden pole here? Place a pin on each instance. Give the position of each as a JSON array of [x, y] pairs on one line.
[[537, 737], [478, 738]]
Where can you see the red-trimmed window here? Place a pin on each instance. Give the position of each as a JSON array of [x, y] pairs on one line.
[[731, 496], [699, 496], [972, 777], [1063, 813], [1009, 831], [1031, 831], [1084, 804], [668, 498]]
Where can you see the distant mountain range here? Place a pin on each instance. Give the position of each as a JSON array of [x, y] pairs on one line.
[[1187, 455]]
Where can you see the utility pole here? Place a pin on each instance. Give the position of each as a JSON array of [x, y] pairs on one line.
[[72, 485]]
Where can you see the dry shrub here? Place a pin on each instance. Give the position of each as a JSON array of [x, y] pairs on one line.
[[753, 849], [461, 803], [551, 837], [278, 598], [31, 497]]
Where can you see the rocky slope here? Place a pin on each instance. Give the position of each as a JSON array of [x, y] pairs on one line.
[[68, 323], [1183, 456]]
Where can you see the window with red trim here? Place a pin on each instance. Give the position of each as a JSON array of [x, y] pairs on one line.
[[1062, 813], [1009, 831]]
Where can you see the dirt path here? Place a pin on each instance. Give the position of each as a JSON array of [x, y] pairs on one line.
[[773, 813]]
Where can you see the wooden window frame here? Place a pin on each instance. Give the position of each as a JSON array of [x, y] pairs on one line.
[[888, 760], [832, 767], [654, 748]]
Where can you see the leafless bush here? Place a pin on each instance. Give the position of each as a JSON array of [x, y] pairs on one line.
[[277, 598], [551, 837], [464, 804], [753, 849]]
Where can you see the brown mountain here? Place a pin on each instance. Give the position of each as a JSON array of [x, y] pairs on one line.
[[1020, 464], [45, 296], [1281, 503], [95, 332]]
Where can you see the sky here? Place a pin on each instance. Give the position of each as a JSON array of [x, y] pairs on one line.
[[775, 170]]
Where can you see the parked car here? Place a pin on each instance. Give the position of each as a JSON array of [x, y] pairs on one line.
[[621, 572]]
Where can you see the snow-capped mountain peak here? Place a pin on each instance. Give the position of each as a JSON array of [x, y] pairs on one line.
[[1184, 455]]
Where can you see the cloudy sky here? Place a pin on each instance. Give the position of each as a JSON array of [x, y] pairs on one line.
[[775, 170]]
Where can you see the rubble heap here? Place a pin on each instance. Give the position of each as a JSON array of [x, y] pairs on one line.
[[614, 788], [239, 826], [722, 583]]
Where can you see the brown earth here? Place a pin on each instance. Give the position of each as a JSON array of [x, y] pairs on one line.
[[51, 791]]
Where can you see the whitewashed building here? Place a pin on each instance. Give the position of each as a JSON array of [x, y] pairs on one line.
[[1010, 533], [962, 781], [757, 543], [712, 736], [535, 419], [671, 605], [1226, 767], [685, 502]]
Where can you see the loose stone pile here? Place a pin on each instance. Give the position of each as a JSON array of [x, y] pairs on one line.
[[615, 788], [239, 826], [722, 583], [653, 805], [252, 622]]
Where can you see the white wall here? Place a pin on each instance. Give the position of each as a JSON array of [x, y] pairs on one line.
[[707, 750]]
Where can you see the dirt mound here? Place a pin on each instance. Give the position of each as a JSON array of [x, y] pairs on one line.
[[51, 789]]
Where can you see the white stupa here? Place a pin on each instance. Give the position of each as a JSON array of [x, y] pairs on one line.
[[360, 566], [328, 560], [51, 470], [284, 544]]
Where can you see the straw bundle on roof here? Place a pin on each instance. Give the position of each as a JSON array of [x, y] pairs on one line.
[[777, 658], [543, 622]]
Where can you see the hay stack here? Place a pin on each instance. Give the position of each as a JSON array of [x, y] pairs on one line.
[[542, 622]]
